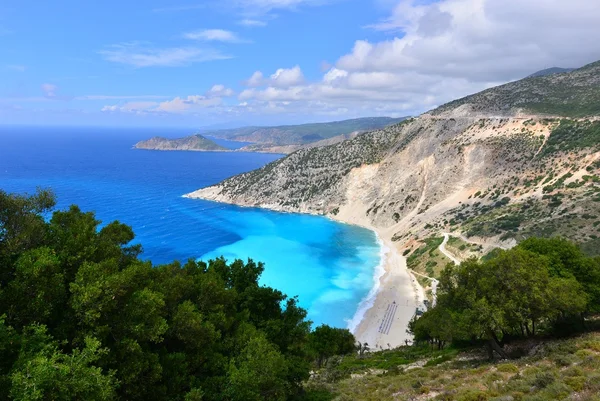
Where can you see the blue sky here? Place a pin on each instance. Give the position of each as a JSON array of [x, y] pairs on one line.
[[197, 63]]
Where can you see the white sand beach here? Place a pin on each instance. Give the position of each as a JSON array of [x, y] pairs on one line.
[[384, 324]]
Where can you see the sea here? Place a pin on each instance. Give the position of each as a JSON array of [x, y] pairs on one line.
[[331, 267]]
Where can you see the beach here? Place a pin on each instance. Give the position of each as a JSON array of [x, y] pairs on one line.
[[384, 324], [382, 318]]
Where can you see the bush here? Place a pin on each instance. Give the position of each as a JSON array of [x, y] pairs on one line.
[[577, 383], [543, 379], [507, 368]]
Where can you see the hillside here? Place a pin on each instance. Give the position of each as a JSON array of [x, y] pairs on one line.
[[550, 71], [281, 139], [194, 142], [304, 133], [570, 94], [497, 167], [548, 370], [287, 149]]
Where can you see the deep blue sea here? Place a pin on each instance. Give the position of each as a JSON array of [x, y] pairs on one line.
[[330, 266]]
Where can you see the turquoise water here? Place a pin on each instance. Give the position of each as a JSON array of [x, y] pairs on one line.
[[330, 266]]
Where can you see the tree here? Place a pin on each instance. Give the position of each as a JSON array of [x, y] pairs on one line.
[[82, 317], [258, 373], [511, 293], [45, 373], [568, 260], [327, 341]]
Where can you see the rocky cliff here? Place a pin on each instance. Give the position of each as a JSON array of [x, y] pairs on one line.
[[518, 160]]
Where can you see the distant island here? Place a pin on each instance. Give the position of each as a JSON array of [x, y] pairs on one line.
[[277, 139], [196, 143]]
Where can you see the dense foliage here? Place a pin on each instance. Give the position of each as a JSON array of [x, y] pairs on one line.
[[573, 135], [544, 285], [83, 318]]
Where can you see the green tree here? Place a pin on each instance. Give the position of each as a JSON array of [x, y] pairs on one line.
[[43, 372], [567, 260], [327, 341], [258, 373], [83, 318], [513, 292]]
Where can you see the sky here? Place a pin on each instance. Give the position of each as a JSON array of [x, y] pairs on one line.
[[194, 63]]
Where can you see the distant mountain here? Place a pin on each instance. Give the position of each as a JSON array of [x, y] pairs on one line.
[[572, 94], [550, 71], [279, 139], [304, 133], [287, 149], [194, 142]]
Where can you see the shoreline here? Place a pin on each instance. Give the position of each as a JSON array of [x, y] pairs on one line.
[[367, 302], [390, 304]]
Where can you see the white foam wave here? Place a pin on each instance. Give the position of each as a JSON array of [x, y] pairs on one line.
[[368, 301]]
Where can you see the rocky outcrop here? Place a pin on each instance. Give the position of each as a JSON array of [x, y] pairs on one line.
[[195, 143]]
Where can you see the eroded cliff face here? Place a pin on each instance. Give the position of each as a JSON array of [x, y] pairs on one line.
[[463, 168]]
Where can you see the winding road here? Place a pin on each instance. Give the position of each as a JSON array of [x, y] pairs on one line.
[[443, 250]]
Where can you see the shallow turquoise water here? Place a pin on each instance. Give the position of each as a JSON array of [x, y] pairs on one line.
[[330, 266]]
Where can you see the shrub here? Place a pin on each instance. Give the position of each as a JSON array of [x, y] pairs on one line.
[[543, 379], [507, 368], [577, 383]]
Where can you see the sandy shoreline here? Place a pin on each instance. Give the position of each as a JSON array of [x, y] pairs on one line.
[[394, 304]]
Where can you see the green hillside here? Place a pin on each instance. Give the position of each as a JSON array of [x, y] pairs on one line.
[[304, 133], [569, 94]]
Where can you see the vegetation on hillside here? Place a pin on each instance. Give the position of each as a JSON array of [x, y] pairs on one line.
[[519, 305], [546, 370], [305, 174], [83, 318], [570, 94], [542, 285], [303, 133]]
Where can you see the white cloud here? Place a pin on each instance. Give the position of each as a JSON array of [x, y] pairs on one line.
[[441, 51], [482, 40], [178, 105], [119, 97], [132, 107], [213, 35], [248, 22], [190, 103], [138, 55], [334, 74], [49, 90], [257, 79], [282, 78], [220, 91], [286, 77]]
